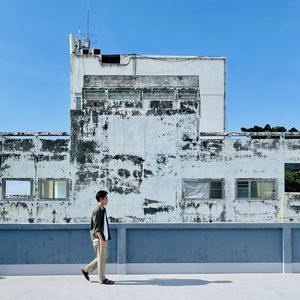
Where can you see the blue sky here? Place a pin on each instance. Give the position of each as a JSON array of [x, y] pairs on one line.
[[259, 38]]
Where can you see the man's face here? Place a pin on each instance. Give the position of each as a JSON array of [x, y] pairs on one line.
[[104, 200]]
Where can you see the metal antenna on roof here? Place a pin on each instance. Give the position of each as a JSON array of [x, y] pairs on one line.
[[88, 20], [87, 42]]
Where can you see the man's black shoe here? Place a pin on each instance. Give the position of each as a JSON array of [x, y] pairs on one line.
[[107, 281], [86, 275]]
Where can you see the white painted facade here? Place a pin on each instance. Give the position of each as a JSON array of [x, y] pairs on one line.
[[210, 70]]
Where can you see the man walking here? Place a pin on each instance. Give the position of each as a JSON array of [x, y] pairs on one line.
[[99, 235]]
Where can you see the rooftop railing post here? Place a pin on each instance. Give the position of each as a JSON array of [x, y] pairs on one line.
[[121, 250], [287, 248]]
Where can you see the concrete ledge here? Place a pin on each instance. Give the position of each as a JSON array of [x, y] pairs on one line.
[[203, 268], [162, 268], [49, 269], [295, 267]]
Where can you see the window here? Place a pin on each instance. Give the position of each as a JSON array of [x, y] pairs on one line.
[[202, 189], [216, 190], [78, 101], [256, 189], [53, 189], [292, 178], [17, 189]]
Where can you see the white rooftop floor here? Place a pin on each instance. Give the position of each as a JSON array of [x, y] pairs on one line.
[[175, 287]]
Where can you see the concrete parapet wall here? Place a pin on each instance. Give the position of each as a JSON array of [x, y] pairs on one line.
[[153, 248]]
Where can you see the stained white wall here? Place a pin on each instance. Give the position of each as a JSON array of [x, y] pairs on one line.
[[160, 193], [33, 158], [211, 72]]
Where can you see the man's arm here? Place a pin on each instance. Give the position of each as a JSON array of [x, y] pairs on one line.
[[99, 223]]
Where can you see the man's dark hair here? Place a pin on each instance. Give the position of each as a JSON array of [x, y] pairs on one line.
[[100, 195]]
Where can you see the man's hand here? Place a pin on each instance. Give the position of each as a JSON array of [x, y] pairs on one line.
[[102, 242]]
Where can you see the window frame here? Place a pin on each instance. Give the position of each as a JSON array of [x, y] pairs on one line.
[[204, 180], [262, 180], [4, 197], [41, 180], [78, 101]]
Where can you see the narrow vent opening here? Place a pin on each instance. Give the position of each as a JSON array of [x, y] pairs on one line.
[[111, 59]]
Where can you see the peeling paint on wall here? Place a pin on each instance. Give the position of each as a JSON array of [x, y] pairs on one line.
[[138, 137], [31, 157], [125, 175]]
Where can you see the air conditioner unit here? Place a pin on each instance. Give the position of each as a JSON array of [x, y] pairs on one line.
[[96, 51], [85, 51]]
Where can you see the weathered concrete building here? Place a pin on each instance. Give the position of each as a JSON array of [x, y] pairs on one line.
[[151, 131]]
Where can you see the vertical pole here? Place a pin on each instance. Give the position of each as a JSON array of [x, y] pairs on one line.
[[121, 252], [287, 248]]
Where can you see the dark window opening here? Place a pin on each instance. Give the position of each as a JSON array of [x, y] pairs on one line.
[[216, 190], [243, 189], [292, 178], [111, 59]]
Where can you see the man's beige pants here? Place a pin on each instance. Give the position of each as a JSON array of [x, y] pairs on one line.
[[100, 260]]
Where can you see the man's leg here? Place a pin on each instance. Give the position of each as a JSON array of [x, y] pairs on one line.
[[93, 264], [101, 261], [105, 256]]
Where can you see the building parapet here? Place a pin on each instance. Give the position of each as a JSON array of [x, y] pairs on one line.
[[276, 135], [66, 134]]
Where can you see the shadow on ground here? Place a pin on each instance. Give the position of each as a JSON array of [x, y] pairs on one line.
[[168, 282], [2, 277]]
